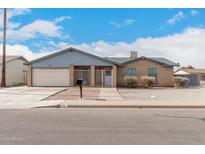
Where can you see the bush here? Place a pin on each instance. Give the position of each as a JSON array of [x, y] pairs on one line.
[[131, 81], [180, 81], [148, 81]]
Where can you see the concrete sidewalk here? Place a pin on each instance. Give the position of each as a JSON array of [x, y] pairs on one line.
[[131, 104]]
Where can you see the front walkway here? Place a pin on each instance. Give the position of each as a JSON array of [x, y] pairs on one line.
[[89, 93]]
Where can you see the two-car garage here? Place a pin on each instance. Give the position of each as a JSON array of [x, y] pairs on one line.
[[50, 77]]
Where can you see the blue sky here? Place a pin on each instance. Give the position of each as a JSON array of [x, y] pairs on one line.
[[109, 32]]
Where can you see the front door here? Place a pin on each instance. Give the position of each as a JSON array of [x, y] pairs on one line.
[[108, 78]]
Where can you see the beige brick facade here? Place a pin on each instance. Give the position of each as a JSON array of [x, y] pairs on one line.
[[165, 74], [29, 76], [71, 73], [92, 71], [114, 76]]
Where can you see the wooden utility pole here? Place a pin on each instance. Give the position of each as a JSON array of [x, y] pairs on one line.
[[3, 75]]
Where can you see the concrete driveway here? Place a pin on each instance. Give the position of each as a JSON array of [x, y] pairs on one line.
[[26, 97]]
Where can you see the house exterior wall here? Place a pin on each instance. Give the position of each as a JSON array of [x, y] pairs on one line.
[[114, 76], [202, 76], [29, 75], [15, 72], [165, 74], [69, 58], [92, 71]]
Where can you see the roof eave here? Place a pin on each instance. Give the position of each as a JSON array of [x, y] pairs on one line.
[[146, 58]]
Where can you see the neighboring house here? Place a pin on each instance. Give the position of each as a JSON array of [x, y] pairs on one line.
[[15, 70], [194, 79], [199, 72], [65, 67]]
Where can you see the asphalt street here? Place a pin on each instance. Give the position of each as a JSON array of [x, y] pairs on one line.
[[102, 126]]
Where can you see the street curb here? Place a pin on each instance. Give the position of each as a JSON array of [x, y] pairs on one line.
[[124, 106]]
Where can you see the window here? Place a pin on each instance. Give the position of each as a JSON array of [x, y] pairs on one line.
[[153, 72], [132, 72]]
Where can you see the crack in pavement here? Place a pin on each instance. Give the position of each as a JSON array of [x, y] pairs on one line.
[[184, 117]]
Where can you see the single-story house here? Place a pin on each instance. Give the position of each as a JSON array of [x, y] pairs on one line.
[[65, 67], [199, 72], [15, 70]]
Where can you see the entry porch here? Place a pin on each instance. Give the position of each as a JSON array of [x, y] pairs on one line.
[[94, 76]]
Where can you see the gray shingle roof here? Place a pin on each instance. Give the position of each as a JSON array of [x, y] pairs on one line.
[[112, 60], [124, 60], [119, 60], [165, 61]]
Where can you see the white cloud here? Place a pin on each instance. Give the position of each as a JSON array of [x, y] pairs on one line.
[[32, 30], [13, 13], [194, 13], [176, 18], [60, 19], [22, 50], [126, 22], [129, 21], [187, 48], [16, 12], [110, 33]]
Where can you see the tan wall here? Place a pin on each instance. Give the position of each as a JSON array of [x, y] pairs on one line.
[[71, 69], [92, 72], [114, 76], [202, 76], [165, 74], [29, 76]]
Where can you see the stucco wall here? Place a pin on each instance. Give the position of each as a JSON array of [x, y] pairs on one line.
[[69, 58], [165, 74], [15, 72]]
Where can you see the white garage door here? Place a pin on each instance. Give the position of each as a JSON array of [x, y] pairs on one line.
[[51, 77]]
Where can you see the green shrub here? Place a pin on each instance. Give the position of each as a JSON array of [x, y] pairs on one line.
[[180, 81], [130, 81], [148, 81]]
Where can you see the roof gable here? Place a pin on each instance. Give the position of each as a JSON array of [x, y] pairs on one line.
[[11, 58], [68, 57], [71, 50]]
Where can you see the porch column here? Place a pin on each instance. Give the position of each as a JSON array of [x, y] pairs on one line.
[[71, 69], [92, 73], [29, 76], [114, 76]]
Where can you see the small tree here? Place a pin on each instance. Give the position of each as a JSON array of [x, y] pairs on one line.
[[131, 81], [148, 81], [180, 81], [188, 67]]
